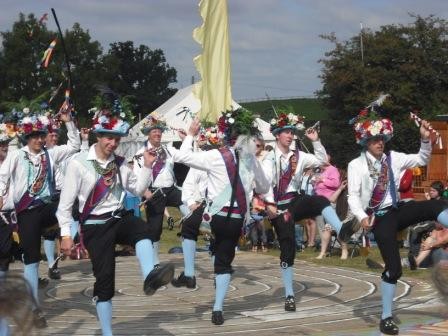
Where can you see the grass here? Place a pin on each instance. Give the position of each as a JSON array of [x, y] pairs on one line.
[[170, 239]]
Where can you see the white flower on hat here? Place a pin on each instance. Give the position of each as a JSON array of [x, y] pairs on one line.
[[228, 115], [26, 120], [122, 115], [26, 110], [273, 121], [231, 120], [44, 120]]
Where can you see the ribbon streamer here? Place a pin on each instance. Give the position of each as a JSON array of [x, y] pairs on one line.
[[418, 122], [47, 54]]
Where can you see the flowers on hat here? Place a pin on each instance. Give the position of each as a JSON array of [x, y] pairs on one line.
[[105, 121], [369, 123], [233, 123], [287, 120], [7, 132], [210, 135], [153, 121]]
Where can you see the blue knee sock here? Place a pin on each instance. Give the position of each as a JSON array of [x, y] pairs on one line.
[[189, 250], [4, 328], [222, 284], [49, 251], [332, 218], [155, 246], [387, 297], [442, 218], [104, 312], [74, 229], [288, 275], [31, 274], [184, 210], [144, 253]]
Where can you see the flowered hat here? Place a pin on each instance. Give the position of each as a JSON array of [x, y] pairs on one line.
[[210, 136], [237, 122], [8, 130], [153, 121], [369, 123], [287, 119], [110, 113]]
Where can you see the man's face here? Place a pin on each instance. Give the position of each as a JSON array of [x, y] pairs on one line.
[[375, 146], [259, 146], [108, 143], [155, 137], [51, 139], [35, 142], [285, 137], [3, 151]]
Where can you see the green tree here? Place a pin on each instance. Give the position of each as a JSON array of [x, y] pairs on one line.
[[140, 73], [410, 62]]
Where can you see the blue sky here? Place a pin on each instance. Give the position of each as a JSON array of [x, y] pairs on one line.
[[275, 44]]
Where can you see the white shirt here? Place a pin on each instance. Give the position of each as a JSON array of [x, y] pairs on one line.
[[275, 160], [361, 184], [81, 178], [8, 203], [15, 169], [165, 178], [194, 187], [213, 164]]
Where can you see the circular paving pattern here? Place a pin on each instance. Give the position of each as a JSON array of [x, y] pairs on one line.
[[330, 301]]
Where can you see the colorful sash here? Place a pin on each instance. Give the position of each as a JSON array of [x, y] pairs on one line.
[[234, 177], [98, 192], [158, 165], [45, 173], [379, 192], [285, 179]]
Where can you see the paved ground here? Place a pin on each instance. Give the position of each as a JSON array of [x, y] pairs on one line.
[[332, 301]]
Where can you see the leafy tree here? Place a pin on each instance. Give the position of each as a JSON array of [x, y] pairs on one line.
[[410, 62], [140, 73]]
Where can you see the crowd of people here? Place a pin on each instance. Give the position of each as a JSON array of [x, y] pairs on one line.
[[233, 183]]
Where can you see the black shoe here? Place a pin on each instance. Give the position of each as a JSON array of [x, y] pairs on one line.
[[184, 281], [53, 273], [290, 303], [217, 317], [157, 278], [170, 221], [388, 326], [373, 264], [43, 282], [39, 320], [412, 262]]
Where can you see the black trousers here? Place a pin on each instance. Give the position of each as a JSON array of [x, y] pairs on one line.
[[301, 207], [6, 241], [100, 240], [155, 208], [32, 224], [190, 225], [227, 232], [386, 227]]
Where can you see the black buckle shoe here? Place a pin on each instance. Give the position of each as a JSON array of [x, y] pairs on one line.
[[290, 303], [43, 282], [53, 273], [217, 318], [39, 320], [388, 326], [157, 278], [184, 281]]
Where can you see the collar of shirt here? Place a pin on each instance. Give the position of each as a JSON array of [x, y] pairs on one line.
[[376, 163], [279, 155], [92, 156]]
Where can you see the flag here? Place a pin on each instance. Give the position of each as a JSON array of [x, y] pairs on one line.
[[214, 89], [47, 54]]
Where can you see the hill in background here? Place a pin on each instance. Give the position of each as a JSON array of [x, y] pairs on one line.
[[311, 108]]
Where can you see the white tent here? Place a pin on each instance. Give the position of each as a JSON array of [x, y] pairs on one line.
[[178, 112]]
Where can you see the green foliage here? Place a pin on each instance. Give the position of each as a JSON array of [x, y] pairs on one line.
[[410, 62]]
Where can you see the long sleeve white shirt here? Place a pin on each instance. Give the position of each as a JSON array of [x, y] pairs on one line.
[[213, 164], [165, 178], [80, 179], [8, 203], [15, 169], [194, 187], [361, 184], [275, 159]]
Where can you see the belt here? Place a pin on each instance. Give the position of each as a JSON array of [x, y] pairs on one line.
[[234, 213], [102, 218]]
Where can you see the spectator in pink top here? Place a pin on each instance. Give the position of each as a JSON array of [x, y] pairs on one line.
[[328, 181]]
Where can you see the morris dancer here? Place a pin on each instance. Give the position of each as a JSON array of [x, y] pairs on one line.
[[194, 192], [30, 171], [232, 172], [373, 182], [284, 205], [162, 191], [98, 179]]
